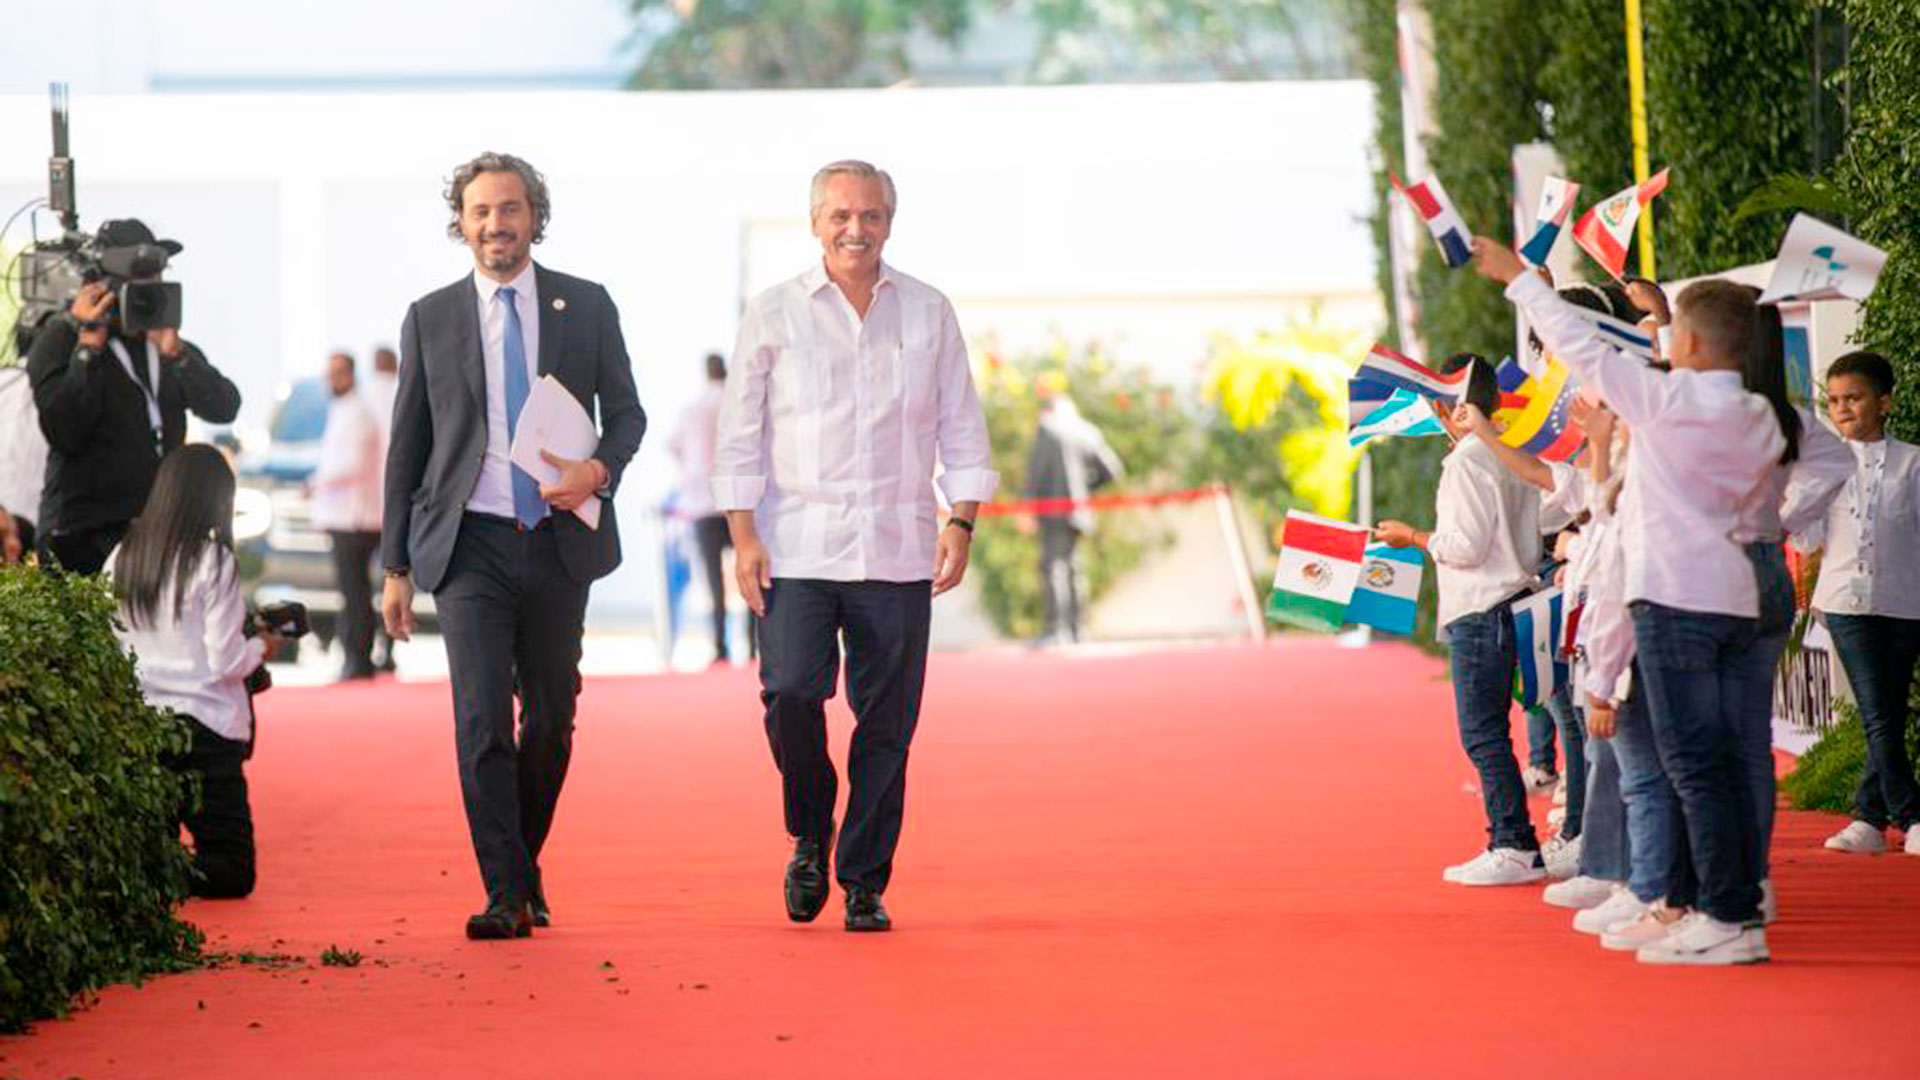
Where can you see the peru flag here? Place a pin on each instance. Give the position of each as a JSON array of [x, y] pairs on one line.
[[1606, 229], [1449, 230]]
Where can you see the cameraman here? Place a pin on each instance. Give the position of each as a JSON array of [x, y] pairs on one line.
[[112, 403]]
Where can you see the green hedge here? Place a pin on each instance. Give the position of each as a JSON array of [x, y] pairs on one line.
[[91, 866]]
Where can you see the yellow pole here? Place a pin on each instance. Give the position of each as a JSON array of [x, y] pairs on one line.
[[1637, 104]]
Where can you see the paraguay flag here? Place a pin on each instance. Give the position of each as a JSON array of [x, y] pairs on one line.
[[1542, 427], [1388, 593], [1556, 205], [1449, 230], [1383, 365], [1319, 566], [1606, 229], [1404, 413], [1536, 638]]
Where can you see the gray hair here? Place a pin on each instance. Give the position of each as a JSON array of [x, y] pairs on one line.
[[850, 167], [530, 178]]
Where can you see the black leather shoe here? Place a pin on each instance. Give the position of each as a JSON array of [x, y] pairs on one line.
[[865, 913], [542, 915], [807, 878], [501, 921]]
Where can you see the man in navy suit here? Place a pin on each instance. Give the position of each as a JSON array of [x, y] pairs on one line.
[[507, 562]]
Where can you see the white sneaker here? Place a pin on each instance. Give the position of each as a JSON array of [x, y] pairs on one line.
[[1562, 857], [1539, 778], [1641, 932], [1560, 792], [1702, 940], [1621, 909], [1579, 893], [1504, 866], [1860, 838], [1557, 817], [1452, 873], [1912, 846], [1769, 904]]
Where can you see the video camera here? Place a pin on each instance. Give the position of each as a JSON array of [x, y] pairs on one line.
[[288, 619], [123, 253]]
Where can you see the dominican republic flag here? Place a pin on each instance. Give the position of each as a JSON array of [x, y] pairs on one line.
[[1536, 638], [1388, 593], [1319, 566], [1404, 413], [1556, 205], [1606, 229], [1543, 426], [1449, 230], [1383, 365]]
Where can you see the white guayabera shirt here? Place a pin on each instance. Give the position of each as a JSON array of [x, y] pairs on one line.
[[832, 427]]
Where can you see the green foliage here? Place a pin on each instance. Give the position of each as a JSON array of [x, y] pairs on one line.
[[1791, 192], [1585, 81], [1826, 775], [1877, 170], [91, 864], [335, 956], [1148, 431], [1727, 108], [770, 44], [1230, 39]]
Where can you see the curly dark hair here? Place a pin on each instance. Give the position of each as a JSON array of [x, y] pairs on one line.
[[491, 161]]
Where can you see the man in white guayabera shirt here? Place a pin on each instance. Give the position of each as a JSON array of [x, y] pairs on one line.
[[849, 384]]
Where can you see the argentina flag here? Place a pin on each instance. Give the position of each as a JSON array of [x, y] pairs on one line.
[[1536, 646]]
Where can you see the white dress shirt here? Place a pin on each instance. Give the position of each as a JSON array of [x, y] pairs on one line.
[[198, 666], [1485, 542], [380, 389], [1606, 630], [1871, 534], [347, 478], [1795, 497], [832, 426], [493, 491], [1701, 445], [691, 445], [23, 449]]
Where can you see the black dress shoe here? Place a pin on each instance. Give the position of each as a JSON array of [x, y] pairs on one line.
[[807, 878], [865, 913], [501, 921]]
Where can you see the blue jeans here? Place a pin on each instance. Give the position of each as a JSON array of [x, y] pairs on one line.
[[1756, 708], [1540, 745], [1481, 655], [1647, 796], [1573, 735], [1879, 654], [1604, 853], [1702, 671]]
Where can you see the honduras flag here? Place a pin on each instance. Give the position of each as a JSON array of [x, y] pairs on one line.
[[1536, 639], [1402, 413], [1387, 595]]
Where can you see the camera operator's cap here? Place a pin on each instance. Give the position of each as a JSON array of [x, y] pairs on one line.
[[131, 232]]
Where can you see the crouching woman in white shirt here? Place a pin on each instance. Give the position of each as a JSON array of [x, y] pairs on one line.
[[178, 586]]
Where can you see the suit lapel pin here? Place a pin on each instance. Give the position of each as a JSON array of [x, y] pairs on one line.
[[559, 304]]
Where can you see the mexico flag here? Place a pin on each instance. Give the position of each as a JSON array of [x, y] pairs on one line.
[[1319, 567], [1606, 229]]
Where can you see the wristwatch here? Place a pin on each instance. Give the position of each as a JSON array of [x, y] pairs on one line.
[[960, 522]]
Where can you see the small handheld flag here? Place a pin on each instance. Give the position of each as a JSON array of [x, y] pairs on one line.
[[1383, 365], [1429, 199], [1556, 205], [1819, 262], [1404, 413], [1607, 227], [1387, 595], [1536, 636], [1319, 567], [1618, 332]]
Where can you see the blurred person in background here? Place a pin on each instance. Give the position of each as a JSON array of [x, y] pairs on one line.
[[178, 587], [23, 464], [1070, 461], [692, 447], [345, 492]]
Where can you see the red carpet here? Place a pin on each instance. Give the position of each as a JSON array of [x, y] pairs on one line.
[[1221, 862]]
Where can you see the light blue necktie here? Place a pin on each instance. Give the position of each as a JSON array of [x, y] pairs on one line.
[[528, 507]]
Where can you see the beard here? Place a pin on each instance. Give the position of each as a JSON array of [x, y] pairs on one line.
[[507, 256]]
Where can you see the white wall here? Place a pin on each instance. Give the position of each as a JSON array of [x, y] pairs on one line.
[[1149, 216]]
